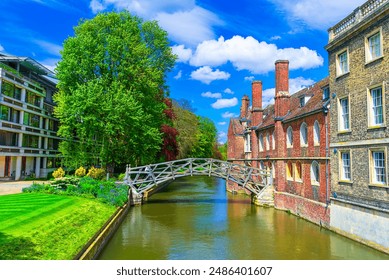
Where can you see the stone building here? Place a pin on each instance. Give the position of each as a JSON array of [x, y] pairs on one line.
[[358, 52], [289, 139], [28, 138]]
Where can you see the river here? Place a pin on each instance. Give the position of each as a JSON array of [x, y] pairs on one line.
[[194, 218]]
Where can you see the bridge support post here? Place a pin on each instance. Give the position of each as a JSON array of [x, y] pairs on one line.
[[134, 197]]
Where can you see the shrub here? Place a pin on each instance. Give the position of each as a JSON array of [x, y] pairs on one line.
[[80, 172], [121, 176], [96, 173], [59, 173], [65, 182]]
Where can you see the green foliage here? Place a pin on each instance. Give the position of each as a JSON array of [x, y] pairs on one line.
[[223, 151], [121, 176], [96, 173], [111, 89], [80, 172], [206, 137], [59, 173]]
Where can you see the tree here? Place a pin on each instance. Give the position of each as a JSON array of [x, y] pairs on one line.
[[169, 149], [111, 90], [206, 137]]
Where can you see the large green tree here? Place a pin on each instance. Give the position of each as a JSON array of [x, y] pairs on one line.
[[206, 137], [111, 90]]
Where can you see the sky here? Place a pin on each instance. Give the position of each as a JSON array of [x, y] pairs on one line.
[[221, 45]]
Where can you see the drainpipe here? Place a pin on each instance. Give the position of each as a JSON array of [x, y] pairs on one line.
[[327, 160]]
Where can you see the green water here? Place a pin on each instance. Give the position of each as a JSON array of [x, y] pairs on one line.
[[195, 218]]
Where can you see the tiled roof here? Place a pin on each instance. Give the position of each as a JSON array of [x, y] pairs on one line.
[[237, 127]]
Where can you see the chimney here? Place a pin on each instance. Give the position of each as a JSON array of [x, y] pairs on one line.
[[257, 111], [282, 102], [244, 108]]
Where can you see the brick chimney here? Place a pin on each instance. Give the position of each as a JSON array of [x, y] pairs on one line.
[[244, 108], [282, 102], [257, 111]]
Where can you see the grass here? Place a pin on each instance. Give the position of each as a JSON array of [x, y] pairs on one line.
[[50, 227]]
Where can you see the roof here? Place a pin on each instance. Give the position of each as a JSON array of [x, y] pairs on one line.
[[28, 63], [314, 103], [237, 126]]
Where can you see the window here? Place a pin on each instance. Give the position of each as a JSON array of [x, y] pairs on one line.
[[302, 101], [260, 142], [11, 90], [326, 93], [376, 109], [273, 141], [9, 138], [30, 141], [344, 115], [304, 134], [262, 165], [315, 173], [267, 141], [289, 171], [345, 166], [32, 99], [342, 63], [31, 119], [273, 170], [378, 164], [289, 137], [9, 114], [316, 133], [247, 146], [297, 171], [373, 46]]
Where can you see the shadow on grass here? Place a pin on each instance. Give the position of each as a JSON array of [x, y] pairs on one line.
[[17, 248]]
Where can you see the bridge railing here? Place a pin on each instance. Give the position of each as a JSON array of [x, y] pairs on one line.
[[143, 178]]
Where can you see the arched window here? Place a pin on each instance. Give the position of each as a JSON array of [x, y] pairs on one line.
[[289, 170], [304, 134], [273, 170], [298, 171], [267, 141], [261, 165], [315, 173], [316, 133], [289, 137], [261, 142], [273, 140]]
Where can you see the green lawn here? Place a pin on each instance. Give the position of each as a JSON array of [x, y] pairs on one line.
[[43, 226]]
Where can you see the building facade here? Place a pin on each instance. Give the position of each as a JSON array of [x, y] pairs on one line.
[[290, 140], [358, 52], [28, 138]]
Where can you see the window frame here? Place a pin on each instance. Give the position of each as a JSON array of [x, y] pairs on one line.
[[298, 174], [370, 108], [247, 143], [260, 143], [341, 127], [303, 139], [369, 57], [315, 178], [289, 137], [342, 177], [267, 141], [339, 69], [372, 168], [289, 171], [273, 142], [316, 133]]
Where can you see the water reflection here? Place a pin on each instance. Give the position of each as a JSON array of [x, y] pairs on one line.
[[195, 218]]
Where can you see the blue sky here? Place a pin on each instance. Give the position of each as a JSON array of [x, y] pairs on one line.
[[221, 45]]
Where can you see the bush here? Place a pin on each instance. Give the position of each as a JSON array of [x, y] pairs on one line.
[[65, 182], [80, 172], [59, 173], [96, 173], [121, 176]]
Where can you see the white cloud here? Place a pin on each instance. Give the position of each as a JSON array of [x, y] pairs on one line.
[[206, 75], [211, 95], [317, 14], [96, 6], [225, 103], [295, 85], [229, 91], [182, 53], [50, 48], [249, 78], [250, 54], [222, 137], [1, 48], [179, 75], [228, 115], [274, 38], [221, 123]]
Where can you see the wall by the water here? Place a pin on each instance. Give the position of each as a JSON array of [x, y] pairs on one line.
[[366, 225]]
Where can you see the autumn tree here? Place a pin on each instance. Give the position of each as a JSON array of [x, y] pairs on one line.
[[112, 78]]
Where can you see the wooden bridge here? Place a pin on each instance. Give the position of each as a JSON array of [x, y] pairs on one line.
[[142, 179]]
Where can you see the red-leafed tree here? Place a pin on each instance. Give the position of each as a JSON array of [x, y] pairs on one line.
[[169, 149]]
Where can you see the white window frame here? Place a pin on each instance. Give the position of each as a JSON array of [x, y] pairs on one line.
[[273, 140], [260, 142], [341, 114], [342, 167], [267, 141], [369, 53], [315, 176], [372, 122], [316, 133], [289, 171], [303, 135], [382, 164], [342, 67], [289, 137], [247, 144]]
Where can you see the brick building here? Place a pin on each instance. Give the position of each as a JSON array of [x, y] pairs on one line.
[[28, 138], [290, 140], [358, 51]]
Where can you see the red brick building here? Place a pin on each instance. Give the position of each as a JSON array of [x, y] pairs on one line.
[[290, 139]]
